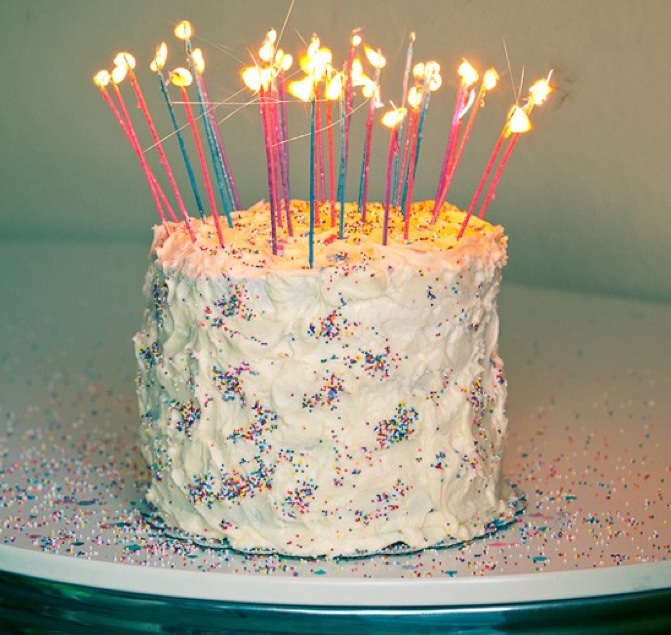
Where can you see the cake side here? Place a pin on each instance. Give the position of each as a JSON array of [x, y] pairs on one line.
[[327, 411]]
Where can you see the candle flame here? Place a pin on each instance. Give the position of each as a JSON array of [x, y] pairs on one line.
[[271, 63], [125, 59], [257, 78], [283, 61], [428, 74], [184, 30], [376, 59], [540, 91], [160, 58], [393, 117], [302, 89], [418, 71], [369, 89], [415, 97], [267, 50], [334, 86], [490, 79], [316, 63], [101, 78], [317, 60], [357, 74], [198, 61], [119, 74], [467, 73], [181, 77], [519, 121]]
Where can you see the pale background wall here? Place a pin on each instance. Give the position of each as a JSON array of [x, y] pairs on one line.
[[585, 199]]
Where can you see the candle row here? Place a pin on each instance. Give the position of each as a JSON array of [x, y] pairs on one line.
[[322, 85]]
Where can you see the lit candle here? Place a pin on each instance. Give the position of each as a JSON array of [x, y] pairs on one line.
[[198, 65], [518, 122], [283, 62], [258, 79], [334, 89], [409, 180], [118, 75], [469, 76], [313, 211], [268, 105], [483, 180], [413, 102], [127, 61], [514, 137], [345, 120], [401, 129], [182, 78], [392, 119], [319, 145], [261, 79], [102, 80], [489, 81], [428, 75], [156, 66], [316, 64], [183, 31], [303, 89], [371, 91]]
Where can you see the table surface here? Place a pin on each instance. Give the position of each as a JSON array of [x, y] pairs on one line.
[[589, 402]]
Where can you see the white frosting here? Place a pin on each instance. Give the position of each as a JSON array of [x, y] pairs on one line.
[[325, 411]]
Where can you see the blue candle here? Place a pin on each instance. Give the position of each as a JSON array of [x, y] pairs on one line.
[[180, 139], [183, 31]]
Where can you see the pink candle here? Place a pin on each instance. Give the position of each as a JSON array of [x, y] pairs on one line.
[[182, 78], [270, 164], [518, 122], [319, 147], [489, 81], [184, 31], [101, 80], [349, 72], [391, 119], [118, 75], [261, 79], [284, 63], [371, 90], [409, 190], [402, 133], [483, 180], [497, 175], [331, 159], [126, 60], [468, 77], [281, 177], [409, 142]]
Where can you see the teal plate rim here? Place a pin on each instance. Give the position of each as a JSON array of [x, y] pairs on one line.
[[32, 605]]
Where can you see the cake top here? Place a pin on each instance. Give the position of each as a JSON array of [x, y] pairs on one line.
[[354, 86], [248, 249]]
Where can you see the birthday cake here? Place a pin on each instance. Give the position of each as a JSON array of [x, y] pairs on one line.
[[341, 409]]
